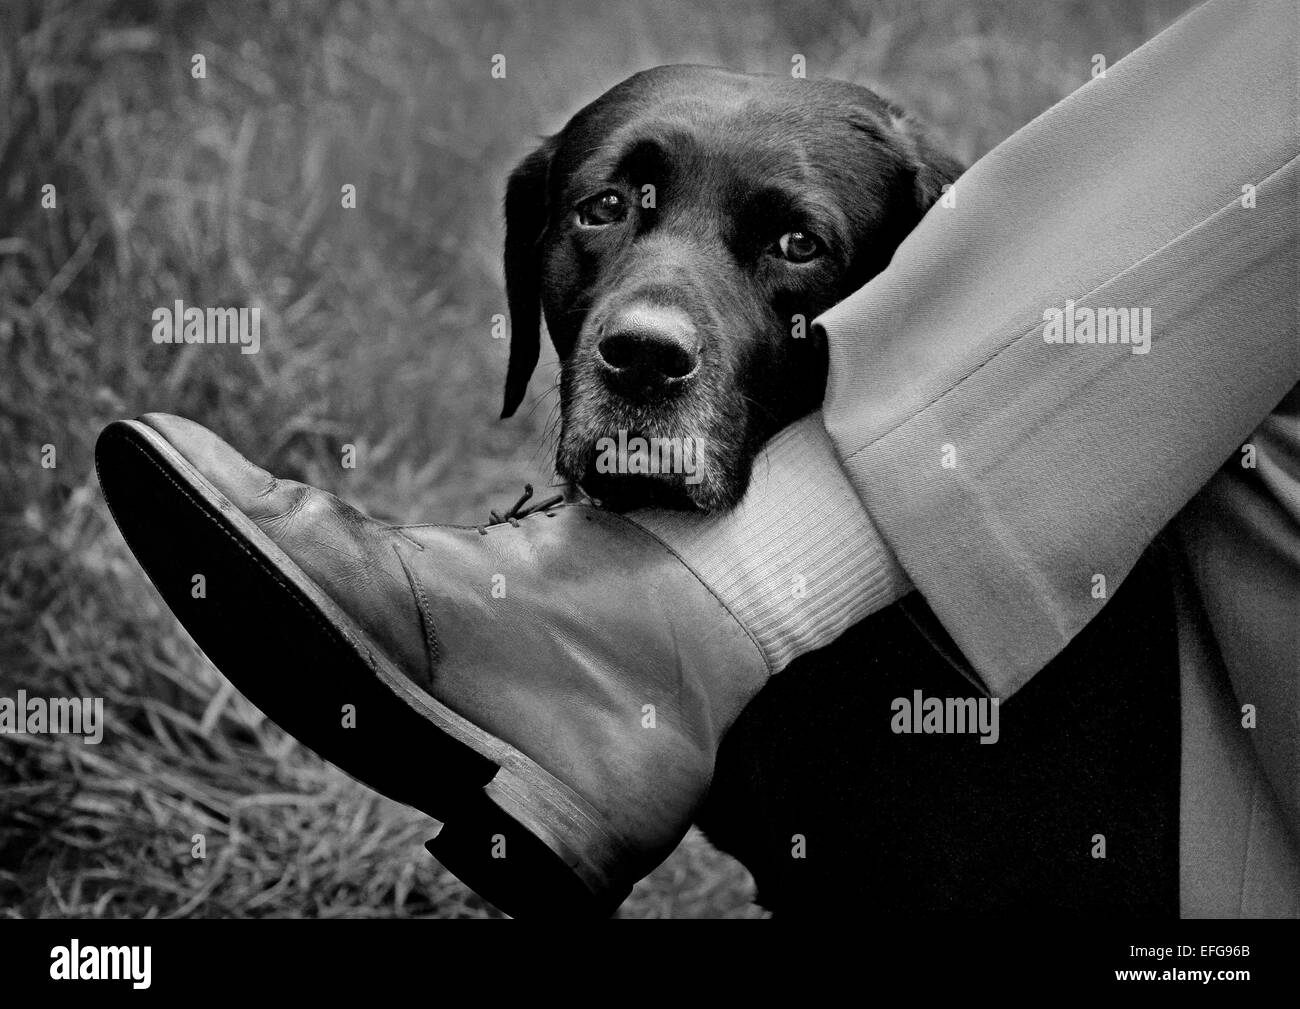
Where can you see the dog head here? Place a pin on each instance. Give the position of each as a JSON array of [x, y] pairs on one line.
[[679, 234]]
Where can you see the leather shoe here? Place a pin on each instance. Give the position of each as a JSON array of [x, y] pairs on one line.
[[552, 686]]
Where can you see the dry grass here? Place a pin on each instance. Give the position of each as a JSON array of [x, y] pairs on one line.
[[376, 332]]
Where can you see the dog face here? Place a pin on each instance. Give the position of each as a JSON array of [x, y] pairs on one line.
[[680, 233]]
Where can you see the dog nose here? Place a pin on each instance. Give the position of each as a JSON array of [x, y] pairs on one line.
[[647, 349]]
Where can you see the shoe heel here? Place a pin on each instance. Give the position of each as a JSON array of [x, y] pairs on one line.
[[533, 851]]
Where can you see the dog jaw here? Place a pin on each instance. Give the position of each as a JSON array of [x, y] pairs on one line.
[[692, 452]]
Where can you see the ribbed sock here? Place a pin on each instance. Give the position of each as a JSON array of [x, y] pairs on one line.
[[798, 561]]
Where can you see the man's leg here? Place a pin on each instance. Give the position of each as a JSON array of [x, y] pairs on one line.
[[1002, 473]]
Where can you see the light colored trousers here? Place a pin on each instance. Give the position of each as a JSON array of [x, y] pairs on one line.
[[1008, 472]]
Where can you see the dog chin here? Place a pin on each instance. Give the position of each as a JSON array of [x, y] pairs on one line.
[[708, 490], [630, 460], [624, 492]]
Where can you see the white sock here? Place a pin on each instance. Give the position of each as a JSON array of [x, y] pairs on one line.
[[799, 561]]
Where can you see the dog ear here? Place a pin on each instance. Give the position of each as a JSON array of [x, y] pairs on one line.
[[932, 168], [929, 168], [526, 213]]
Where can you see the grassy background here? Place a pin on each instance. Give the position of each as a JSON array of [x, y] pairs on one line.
[[376, 331]]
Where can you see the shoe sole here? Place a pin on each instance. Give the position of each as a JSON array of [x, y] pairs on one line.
[[512, 832]]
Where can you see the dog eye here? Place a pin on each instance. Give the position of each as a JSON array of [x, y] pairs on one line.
[[799, 246], [606, 208]]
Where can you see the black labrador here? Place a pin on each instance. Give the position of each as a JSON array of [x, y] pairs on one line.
[[680, 232]]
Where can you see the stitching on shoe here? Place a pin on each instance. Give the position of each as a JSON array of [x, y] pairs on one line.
[[415, 543], [695, 574], [432, 651]]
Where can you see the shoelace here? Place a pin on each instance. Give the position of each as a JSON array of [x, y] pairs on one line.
[[517, 511]]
